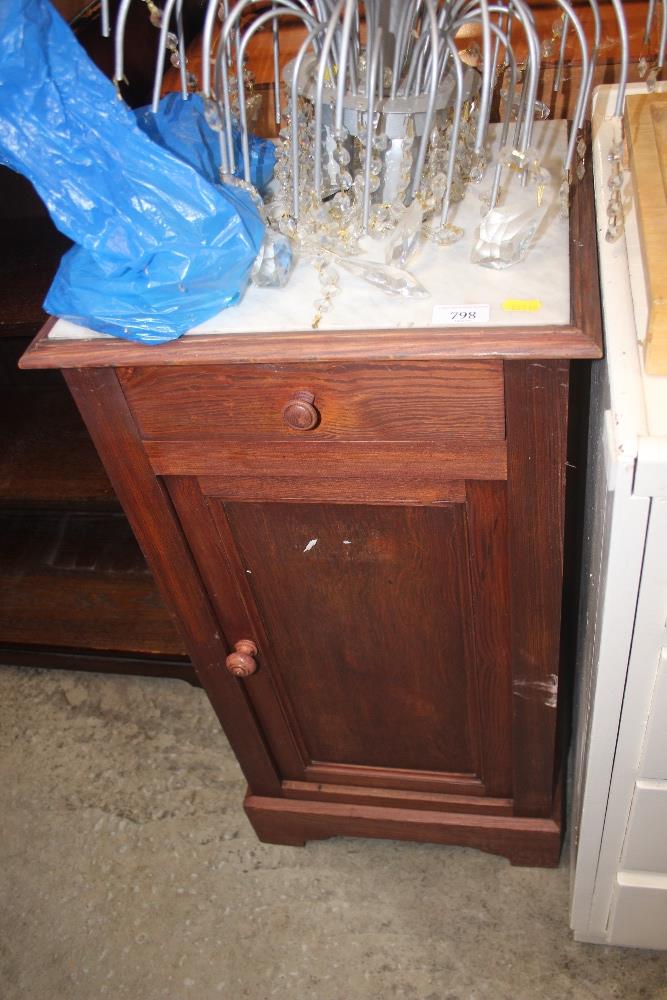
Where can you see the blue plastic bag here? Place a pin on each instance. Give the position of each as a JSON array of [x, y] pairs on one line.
[[179, 126], [159, 248]]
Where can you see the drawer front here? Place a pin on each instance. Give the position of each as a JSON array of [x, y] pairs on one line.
[[402, 401]]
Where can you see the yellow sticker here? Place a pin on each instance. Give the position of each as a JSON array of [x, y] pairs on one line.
[[522, 305]]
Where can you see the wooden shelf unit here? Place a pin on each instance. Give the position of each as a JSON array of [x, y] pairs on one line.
[[75, 591]]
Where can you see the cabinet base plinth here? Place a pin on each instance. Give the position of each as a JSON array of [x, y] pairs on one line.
[[522, 840]]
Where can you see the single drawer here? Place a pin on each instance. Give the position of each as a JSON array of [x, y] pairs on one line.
[[382, 401]]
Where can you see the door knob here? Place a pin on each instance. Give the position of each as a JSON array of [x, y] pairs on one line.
[[242, 663], [300, 414]]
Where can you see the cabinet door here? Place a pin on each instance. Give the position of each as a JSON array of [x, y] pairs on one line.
[[382, 633]]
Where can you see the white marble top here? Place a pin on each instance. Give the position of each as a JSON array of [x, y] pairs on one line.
[[542, 278]]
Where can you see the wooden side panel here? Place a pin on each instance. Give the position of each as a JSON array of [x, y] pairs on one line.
[[487, 539], [367, 612], [585, 305], [537, 399], [151, 515]]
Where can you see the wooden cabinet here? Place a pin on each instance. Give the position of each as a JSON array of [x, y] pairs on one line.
[[365, 553]]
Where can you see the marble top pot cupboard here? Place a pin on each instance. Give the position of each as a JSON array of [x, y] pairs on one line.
[[361, 536]]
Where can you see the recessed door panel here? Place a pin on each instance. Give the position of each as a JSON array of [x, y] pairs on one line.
[[367, 614]]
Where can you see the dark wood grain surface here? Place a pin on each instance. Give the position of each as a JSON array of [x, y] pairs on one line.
[[537, 401], [425, 461], [79, 581], [151, 515], [27, 265], [227, 585], [524, 841], [92, 661], [367, 612], [403, 798], [341, 485], [486, 511], [503, 342], [362, 402], [46, 456], [239, 594], [411, 647], [75, 592], [398, 779]]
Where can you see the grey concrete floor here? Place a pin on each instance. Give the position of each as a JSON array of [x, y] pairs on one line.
[[128, 870]]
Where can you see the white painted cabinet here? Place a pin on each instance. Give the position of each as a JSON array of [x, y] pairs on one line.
[[619, 810], [654, 757]]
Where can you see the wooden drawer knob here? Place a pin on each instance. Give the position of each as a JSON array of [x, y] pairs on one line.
[[300, 414], [242, 663]]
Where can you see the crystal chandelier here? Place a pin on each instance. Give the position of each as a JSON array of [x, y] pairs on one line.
[[385, 125]]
